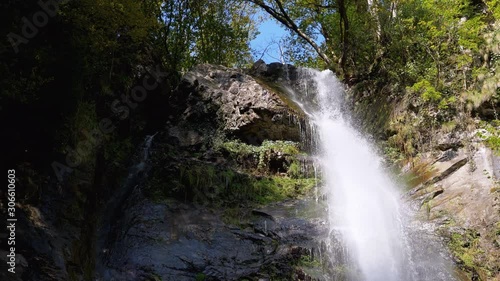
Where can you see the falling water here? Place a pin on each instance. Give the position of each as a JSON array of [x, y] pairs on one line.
[[109, 225], [366, 214]]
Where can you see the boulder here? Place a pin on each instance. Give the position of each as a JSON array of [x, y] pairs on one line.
[[213, 99]]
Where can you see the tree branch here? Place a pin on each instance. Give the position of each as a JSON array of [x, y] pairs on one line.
[[283, 17]]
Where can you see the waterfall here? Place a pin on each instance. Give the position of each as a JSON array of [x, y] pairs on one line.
[[109, 224], [370, 226]]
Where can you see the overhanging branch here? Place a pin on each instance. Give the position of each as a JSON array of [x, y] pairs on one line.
[[283, 17]]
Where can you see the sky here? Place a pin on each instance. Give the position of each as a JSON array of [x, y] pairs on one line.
[[266, 43]]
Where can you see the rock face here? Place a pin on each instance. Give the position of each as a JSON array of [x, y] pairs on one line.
[[274, 71], [215, 98], [126, 235], [191, 218], [183, 242], [458, 189], [463, 198]]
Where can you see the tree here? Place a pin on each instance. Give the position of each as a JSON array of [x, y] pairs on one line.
[[277, 10], [340, 32]]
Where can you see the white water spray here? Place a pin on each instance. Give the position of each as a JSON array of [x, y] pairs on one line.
[[365, 209]]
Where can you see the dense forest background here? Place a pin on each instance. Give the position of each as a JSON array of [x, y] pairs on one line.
[[70, 68], [65, 63]]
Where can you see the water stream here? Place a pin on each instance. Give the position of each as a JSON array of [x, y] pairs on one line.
[[375, 237], [107, 232]]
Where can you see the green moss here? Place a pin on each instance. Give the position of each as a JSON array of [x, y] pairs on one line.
[[200, 277], [465, 247], [308, 261]]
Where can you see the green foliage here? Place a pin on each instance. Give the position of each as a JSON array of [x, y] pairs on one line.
[[238, 147], [294, 170], [494, 7], [272, 189], [286, 147], [217, 186], [492, 135], [426, 91], [259, 156], [200, 277], [205, 31], [223, 30]]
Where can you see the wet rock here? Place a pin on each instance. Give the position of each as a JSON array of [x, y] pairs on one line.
[[177, 241], [262, 214], [460, 199]]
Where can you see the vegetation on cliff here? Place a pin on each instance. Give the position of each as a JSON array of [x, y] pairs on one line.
[[434, 62], [82, 81]]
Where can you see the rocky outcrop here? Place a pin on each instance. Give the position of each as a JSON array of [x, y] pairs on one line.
[[453, 174], [183, 242], [214, 99], [204, 212], [274, 71], [463, 199]]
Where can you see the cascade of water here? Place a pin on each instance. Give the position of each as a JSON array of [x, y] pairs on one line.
[[365, 210], [107, 231]]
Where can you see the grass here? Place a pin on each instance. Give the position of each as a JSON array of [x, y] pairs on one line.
[[276, 188], [223, 186]]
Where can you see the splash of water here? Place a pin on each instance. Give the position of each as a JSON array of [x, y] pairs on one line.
[[366, 214]]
